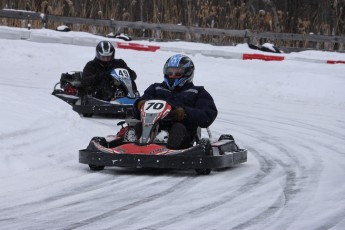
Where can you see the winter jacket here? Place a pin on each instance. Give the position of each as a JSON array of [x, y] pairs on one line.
[[96, 78], [198, 104]]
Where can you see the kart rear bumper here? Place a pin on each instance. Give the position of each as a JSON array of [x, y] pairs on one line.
[[107, 109]]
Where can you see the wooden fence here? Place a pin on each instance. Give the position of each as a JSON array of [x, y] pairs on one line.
[[188, 33]]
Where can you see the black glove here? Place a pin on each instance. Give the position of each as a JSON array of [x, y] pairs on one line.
[[115, 81], [178, 114]]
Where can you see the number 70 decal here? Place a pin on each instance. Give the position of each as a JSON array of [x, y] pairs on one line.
[[154, 106]]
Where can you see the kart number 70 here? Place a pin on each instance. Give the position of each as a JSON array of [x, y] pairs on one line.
[[154, 106]]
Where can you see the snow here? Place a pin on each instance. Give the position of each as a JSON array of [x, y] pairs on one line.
[[289, 115], [63, 28], [269, 46]]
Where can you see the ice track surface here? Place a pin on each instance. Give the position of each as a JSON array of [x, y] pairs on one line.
[[289, 115]]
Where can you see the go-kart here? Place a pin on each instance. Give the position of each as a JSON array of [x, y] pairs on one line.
[[69, 90], [148, 148]]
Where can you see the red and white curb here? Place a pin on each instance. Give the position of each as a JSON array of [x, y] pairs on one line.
[[135, 46], [225, 54], [282, 58], [31, 35]]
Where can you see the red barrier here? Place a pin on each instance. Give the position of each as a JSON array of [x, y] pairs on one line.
[[262, 57], [140, 47], [335, 62], [135, 46]]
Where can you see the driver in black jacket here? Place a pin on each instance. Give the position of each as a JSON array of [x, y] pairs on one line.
[[192, 105], [96, 79]]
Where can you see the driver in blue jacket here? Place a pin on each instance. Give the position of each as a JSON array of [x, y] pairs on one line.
[[96, 79], [192, 106]]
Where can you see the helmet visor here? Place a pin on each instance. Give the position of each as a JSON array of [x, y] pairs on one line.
[[105, 58], [174, 72]]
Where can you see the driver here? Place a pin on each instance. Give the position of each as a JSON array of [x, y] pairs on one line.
[[96, 79], [192, 105]]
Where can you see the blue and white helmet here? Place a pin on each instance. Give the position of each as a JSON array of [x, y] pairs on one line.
[[178, 70]]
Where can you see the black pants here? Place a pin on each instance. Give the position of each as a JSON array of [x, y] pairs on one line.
[[179, 137]]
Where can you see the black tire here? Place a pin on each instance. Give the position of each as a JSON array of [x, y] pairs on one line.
[[58, 91], [203, 171], [85, 102], [206, 144], [87, 114], [234, 146], [96, 167]]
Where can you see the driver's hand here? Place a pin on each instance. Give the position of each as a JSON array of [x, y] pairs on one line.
[[116, 82], [140, 104], [178, 114]]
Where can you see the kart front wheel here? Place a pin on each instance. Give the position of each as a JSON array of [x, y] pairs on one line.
[[96, 167], [203, 171]]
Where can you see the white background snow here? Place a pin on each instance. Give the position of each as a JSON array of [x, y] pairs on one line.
[[290, 116]]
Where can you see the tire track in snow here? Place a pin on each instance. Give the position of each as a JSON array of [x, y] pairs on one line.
[[291, 188], [294, 184], [85, 187], [129, 206], [59, 203], [23, 132], [266, 166], [290, 172], [22, 86], [285, 122]]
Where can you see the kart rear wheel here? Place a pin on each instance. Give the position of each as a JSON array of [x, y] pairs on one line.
[[206, 144], [226, 137], [96, 167], [233, 145]]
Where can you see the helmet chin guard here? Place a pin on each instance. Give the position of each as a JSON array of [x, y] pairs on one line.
[[175, 83]]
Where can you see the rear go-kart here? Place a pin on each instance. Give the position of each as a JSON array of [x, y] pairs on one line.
[[149, 150], [69, 90]]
